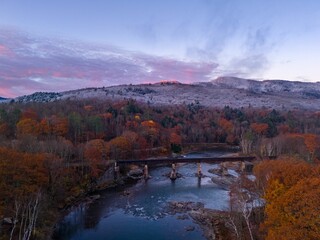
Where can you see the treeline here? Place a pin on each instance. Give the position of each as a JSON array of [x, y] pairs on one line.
[[125, 129], [51, 153]]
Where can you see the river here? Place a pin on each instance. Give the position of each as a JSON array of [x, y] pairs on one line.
[[141, 214]]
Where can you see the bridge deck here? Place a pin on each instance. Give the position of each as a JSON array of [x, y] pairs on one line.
[[187, 160]]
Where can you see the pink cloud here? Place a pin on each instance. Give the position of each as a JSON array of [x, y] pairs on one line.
[[34, 64], [6, 51], [4, 92]]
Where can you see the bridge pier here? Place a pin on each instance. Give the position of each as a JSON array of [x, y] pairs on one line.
[[246, 167], [116, 171], [242, 166], [199, 182], [173, 174], [146, 172], [224, 169], [199, 172]]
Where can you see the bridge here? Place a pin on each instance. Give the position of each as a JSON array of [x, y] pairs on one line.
[[174, 161]]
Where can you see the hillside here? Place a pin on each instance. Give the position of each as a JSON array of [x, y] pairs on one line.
[[235, 92], [3, 99]]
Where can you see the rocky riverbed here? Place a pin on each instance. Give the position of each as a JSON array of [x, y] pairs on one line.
[[212, 222]]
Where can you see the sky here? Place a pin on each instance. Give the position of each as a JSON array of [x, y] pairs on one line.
[[62, 45]]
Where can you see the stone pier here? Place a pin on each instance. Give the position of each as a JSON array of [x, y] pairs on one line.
[[116, 171], [173, 174], [224, 169], [146, 172], [199, 172], [242, 166]]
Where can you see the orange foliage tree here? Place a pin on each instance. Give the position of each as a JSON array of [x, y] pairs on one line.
[[293, 213], [291, 189], [60, 126], [226, 125], [118, 148], [95, 153], [312, 144], [28, 126], [259, 128]]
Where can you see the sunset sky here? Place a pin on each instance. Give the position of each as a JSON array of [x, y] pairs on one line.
[[67, 44]]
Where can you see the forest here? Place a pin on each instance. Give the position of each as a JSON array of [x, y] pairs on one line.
[[42, 146]]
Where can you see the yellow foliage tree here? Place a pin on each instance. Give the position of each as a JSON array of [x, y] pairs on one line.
[[291, 190]]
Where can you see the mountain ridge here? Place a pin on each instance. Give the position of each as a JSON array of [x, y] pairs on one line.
[[2, 99], [266, 85], [223, 91]]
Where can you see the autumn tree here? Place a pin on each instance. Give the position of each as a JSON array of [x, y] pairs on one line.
[[312, 144], [30, 114], [293, 213], [27, 126], [118, 148], [59, 125], [150, 130], [259, 128], [175, 141], [44, 127], [290, 188], [4, 129], [22, 180], [95, 154]]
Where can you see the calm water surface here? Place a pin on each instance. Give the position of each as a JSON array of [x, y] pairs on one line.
[[142, 215]]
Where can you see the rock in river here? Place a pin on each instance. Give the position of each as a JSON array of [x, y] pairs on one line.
[[135, 173]]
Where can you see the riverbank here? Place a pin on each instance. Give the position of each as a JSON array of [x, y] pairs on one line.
[[85, 199]]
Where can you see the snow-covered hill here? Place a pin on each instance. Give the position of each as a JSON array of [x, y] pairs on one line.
[[234, 92], [268, 86], [3, 99]]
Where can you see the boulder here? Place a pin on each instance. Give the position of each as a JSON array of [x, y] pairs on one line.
[[190, 228], [135, 173], [182, 217]]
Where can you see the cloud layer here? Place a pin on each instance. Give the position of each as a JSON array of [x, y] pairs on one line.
[[29, 64]]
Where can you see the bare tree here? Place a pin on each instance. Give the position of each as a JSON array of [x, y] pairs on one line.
[[241, 207], [17, 206], [246, 142], [27, 214]]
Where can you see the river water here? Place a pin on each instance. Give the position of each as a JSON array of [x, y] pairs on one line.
[[141, 214]]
